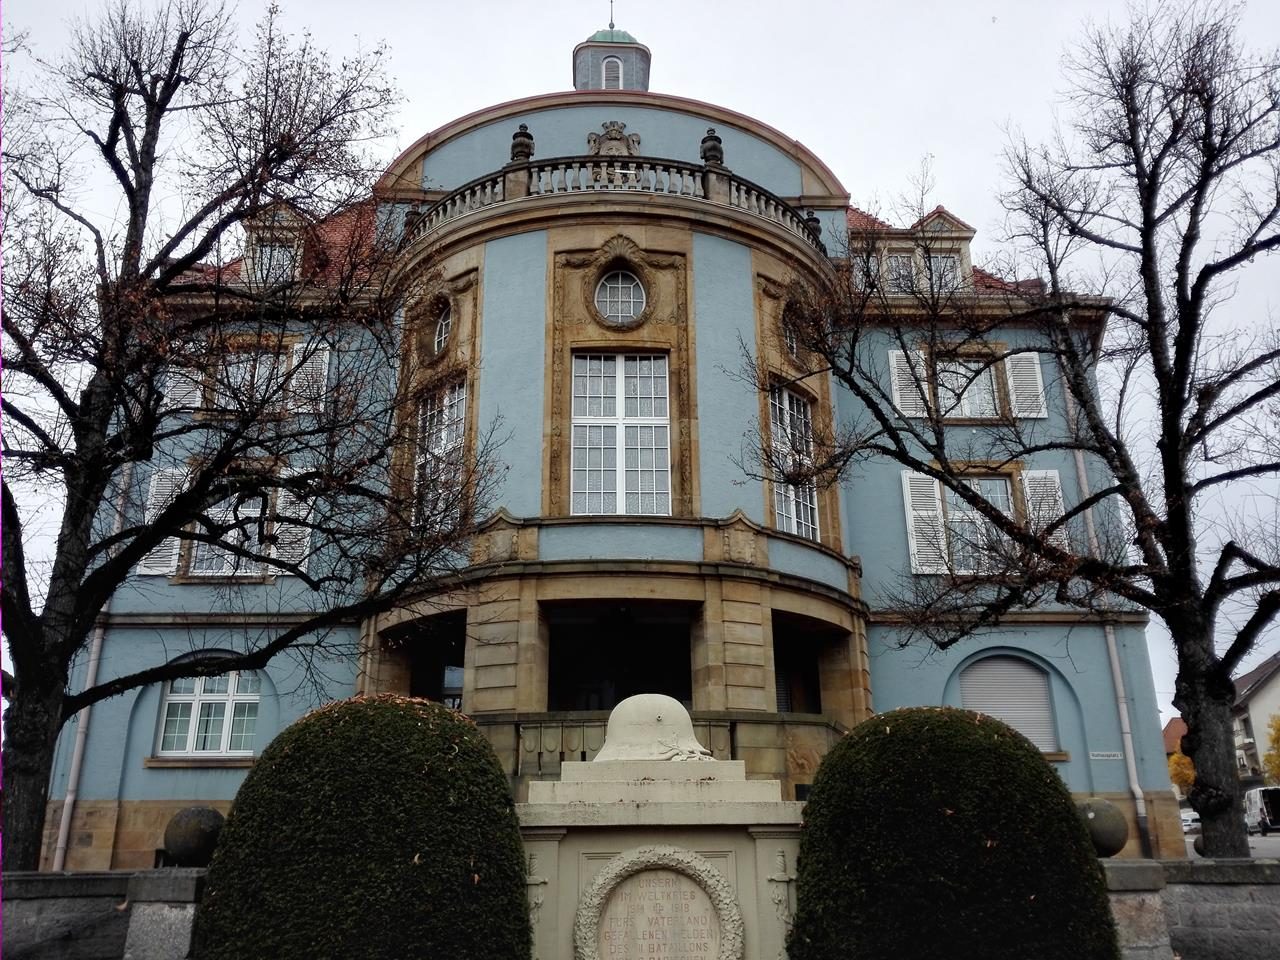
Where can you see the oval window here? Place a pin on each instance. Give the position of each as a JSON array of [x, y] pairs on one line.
[[620, 297]]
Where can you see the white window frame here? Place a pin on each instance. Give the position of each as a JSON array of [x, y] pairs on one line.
[[795, 507], [957, 380], [1027, 696], [914, 382], [442, 432], [900, 273], [197, 693], [931, 514], [233, 565], [444, 326], [943, 270], [604, 73], [589, 432], [280, 266], [298, 384], [292, 542], [981, 537]]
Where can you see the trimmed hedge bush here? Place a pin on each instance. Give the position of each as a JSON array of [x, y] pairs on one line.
[[940, 833], [374, 827]]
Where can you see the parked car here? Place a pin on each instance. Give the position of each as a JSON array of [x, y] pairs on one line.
[[1190, 821], [1262, 809]]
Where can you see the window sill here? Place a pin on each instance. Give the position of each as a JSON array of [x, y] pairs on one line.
[[198, 762], [221, 578], [1056, 756]]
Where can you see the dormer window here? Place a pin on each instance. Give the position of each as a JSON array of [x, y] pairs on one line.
[[273, 261], [612, 68]]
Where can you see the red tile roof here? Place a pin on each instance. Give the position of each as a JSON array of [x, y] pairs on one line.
[[1174, 731], [861, 221], [1248, 684]]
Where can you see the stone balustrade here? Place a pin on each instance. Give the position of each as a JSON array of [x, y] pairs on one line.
[[709, 183]]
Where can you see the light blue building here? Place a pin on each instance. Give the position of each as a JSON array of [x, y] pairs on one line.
[[597, 269]]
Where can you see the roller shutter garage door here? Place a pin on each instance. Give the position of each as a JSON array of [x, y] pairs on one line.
[[1014, 691]]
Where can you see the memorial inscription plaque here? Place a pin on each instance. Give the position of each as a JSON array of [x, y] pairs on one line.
[[658, 915]]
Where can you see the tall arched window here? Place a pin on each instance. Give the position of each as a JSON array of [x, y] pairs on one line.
[[1015, 691], [612, 73]]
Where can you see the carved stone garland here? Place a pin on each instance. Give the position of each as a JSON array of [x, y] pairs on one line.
[[586, 926], [648, 267]]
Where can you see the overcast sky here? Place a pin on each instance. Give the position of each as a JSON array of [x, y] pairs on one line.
[[871, 87]]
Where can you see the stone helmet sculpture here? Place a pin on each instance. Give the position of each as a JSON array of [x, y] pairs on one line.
[[651, 726]]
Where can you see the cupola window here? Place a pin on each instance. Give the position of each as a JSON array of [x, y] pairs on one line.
[[612, 73]]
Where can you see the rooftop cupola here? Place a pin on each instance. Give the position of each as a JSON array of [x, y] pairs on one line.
[[611, 59]]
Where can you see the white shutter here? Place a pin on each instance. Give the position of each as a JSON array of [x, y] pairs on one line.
[[1026, 388], [183, 389], [1042, 493], [926, 531], [163, 558], [309, 378], [1015, 691], [293, 540], [910, 382]]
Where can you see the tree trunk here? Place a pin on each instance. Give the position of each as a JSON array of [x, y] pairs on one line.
[[32, 722], [1205, 696]]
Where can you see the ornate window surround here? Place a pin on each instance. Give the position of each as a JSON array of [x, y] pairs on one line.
[[578, 327]]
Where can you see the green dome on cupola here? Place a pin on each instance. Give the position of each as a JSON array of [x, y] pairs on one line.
[[611, 35]]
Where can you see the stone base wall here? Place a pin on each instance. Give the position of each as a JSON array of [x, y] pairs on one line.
[[115, 835]]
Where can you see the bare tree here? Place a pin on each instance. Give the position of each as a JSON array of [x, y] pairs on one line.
[[212, 382], [1134, 221]]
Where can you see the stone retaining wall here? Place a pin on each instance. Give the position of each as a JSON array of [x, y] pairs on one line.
[[1192, 909], [1223, 909], [1196, 909], [116, 915]]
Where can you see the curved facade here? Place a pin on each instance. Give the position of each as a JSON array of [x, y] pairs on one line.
[[594, 273]]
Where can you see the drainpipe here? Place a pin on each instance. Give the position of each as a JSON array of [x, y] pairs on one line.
[[91, 678], [1113, 654]]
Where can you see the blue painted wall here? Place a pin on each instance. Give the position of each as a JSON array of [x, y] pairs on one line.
[[1083, 696], [620, 541], [123, 730], [724, 320], [562, 132], [513, 335]]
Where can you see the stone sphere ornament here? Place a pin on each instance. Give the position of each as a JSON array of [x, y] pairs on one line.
[[1107, 826], [192, 834]]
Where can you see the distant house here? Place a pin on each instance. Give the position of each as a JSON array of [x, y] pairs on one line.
[[1174, 731], [1257, 701]]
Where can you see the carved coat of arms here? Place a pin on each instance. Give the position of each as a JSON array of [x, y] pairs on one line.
[[614, 142]]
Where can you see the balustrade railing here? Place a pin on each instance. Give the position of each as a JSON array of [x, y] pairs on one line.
[[575, 174], [595, 174]]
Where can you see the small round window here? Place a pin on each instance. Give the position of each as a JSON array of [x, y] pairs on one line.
[[444, 323], [620, 297]]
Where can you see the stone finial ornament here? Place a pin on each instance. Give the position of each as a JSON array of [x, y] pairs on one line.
[[521, 144], [712, 150], [191, 835], [813, 223], [650, 726]]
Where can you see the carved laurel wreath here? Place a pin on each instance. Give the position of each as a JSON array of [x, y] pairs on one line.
[[586, 926]]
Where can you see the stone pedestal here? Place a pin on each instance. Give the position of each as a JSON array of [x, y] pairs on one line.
[[647, 859]]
